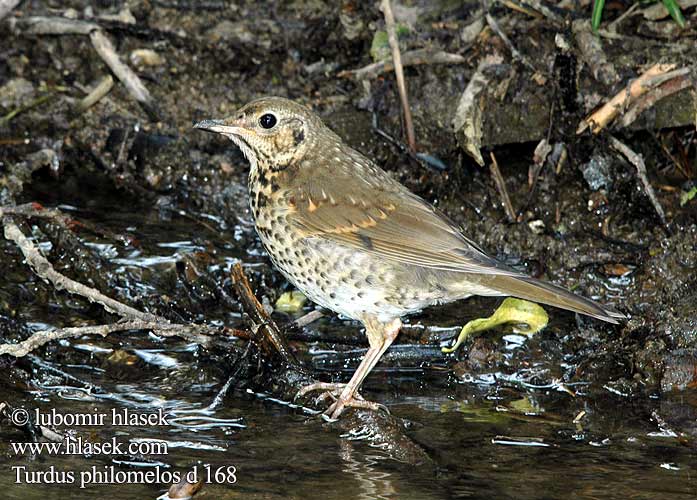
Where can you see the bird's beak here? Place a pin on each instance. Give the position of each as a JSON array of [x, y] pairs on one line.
[[219, 127]]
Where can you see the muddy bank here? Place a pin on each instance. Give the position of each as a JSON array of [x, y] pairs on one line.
[[144, 197]]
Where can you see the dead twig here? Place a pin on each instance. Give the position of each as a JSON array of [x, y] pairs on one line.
[[6, 7], [99, 91], [105, 49], [308, 318], [514, 52], [399, 72], [40, 338], [264, 330], [40, 25], [544, 10], [501, 187], [43, 268], [411, 58], [674, 82], [636, 160], [600, 118], [612, 27]]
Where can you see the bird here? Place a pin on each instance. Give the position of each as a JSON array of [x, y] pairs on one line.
[[356, 241]]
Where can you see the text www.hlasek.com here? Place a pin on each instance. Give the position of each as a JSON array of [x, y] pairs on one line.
[[78, 446]]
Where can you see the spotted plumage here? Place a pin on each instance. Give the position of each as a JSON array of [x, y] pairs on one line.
[[353, 239]]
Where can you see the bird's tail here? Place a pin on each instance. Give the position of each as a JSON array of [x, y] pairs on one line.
[[543, 292]]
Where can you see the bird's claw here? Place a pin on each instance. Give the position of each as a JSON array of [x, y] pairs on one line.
[[334, 391]]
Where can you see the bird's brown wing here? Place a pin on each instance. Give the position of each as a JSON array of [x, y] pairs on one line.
[[389, 221], [386, 219]]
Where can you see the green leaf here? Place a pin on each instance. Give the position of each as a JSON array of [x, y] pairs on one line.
[[686, 196], [675, 12], [598, 6]]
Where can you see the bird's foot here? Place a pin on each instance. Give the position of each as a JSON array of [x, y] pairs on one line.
[[338, 407], [334, 392], [525, 317]]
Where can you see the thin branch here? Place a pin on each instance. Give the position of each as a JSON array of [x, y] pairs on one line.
[[636, 160], [501, 187], [680, 80], [399, 72], [308, 318], [266, 332], [99, 91], [38, 339], [600, 118], [133, 84], [40, 25], [43, 268], [514, 52]]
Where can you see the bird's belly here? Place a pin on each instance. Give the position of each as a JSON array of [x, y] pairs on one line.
[[351, 282]]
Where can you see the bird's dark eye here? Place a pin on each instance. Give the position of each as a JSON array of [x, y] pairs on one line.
[[267, 121]]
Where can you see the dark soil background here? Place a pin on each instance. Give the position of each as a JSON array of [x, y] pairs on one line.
[[148, 196]]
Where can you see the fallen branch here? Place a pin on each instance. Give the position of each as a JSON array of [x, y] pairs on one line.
[[105, 49], [265, 331], [37, 339], [411, 58], [600, 118], [399, 72], [43, 268], [680, 79], [636, 160]]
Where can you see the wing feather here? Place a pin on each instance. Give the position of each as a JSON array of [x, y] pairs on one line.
[[382, 217]]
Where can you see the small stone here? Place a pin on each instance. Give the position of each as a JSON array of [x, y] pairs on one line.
[[537, 226], [596, 172], [146, 57]]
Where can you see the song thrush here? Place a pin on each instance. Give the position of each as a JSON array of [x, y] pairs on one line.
[[356, 241]]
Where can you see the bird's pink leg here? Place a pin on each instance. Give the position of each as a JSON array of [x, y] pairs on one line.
[[380, 336]]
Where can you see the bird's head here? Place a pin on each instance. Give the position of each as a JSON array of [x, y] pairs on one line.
[[272, 132]]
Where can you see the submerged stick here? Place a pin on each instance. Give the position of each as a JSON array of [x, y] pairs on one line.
[[42, 337], [376, 428], [399, 72]]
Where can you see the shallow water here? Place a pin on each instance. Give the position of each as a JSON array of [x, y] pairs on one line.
[[509, 432]]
